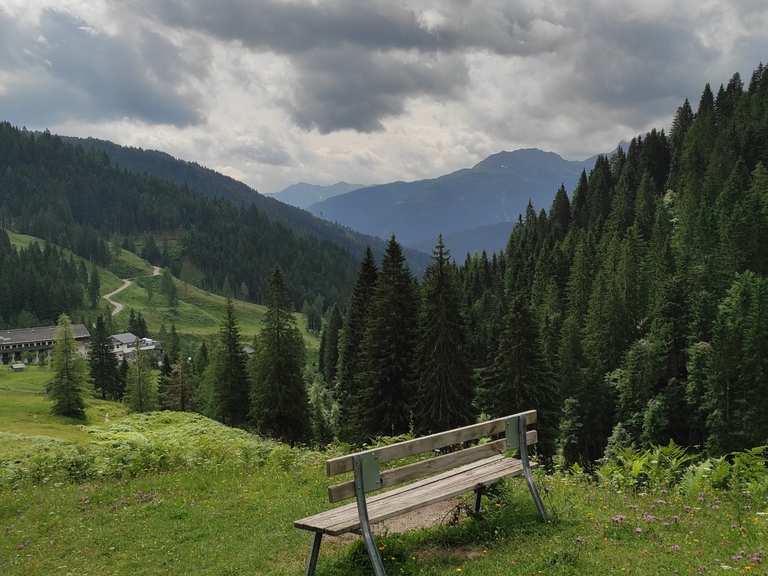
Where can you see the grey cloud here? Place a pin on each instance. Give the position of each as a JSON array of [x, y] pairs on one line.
[[66, 70], [348, 89], [270, 153]]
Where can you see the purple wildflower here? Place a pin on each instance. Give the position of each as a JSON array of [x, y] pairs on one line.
[[675, 547], [618, 518]]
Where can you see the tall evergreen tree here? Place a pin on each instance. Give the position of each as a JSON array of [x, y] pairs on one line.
[[518, 379], [280, 405], [67, 388], [94, 287], [331, 345], [388, 375], [351, 416], [164, 382], [445, 388], [103, 362], [140, 393], [179, 391], [231, 386]]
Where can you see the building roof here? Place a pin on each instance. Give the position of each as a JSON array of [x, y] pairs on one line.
[[125, 338], [39, 334]]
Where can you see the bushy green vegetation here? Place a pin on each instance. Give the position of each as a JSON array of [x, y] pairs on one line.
[[226, 502]]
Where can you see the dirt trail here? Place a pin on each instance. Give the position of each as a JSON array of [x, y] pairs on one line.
[[118, 307]]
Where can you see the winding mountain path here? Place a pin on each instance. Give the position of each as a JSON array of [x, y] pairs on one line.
[[118, 306]]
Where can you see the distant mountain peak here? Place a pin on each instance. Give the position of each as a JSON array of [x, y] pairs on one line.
[[303, 194]]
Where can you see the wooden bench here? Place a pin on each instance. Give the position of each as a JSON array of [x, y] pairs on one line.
[[447, 475]]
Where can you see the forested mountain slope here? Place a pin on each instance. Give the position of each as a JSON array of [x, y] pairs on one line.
[[635, 309], [212, 184], [641, 299], [78, 199]]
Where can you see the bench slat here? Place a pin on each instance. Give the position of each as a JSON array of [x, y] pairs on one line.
[[438, 464], [408, 498], [343, 464]]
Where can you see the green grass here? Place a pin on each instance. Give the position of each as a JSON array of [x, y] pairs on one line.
[[172, 493], [198, 315], [239, 521], [25, 409]]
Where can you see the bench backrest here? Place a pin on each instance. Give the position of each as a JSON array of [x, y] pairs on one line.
[[373, 478]]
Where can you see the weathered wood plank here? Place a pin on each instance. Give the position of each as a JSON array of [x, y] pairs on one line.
[[433, 465], [346, 519], [343, 464], [328, 514]]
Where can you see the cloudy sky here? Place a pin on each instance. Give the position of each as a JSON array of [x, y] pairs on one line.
[[278, 91]]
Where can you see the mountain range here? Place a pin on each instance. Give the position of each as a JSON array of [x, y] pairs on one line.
[[473, 208], [303, 194]]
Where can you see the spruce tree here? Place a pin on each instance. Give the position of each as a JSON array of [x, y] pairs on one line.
[[94, 287], [67, 388], [331, 345], [387, 379], [279, 403], [351, 418], [168, 288], [231, 386], [445, 388], [164, 382], [140, 393], [179, 391], [518, 379], [103, 363]]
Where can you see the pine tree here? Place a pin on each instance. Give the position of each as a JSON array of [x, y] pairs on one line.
[[164, 382], [387, 378], [351, 417], [279, 401], [331, 345], [140, 393], [168, 288], [94, 287], [122, 380], [67, 388], [518, 379], [445, 387], [179, 391], [231, 386], [103, 363]]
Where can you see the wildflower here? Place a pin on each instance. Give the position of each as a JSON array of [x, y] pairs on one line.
[[756, 558], [579, 540], [618, 518], [648, 517], [675, 547], [638, 530], [737, 557]]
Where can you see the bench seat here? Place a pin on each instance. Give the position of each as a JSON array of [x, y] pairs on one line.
[[416, 495]]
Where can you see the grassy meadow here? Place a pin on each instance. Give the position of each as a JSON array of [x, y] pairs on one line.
[[198, 315], [172, 493]]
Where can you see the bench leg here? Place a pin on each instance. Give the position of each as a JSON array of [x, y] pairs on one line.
[[536, 497], [365, 525], [314, 552], [478, 499], [523, 442]]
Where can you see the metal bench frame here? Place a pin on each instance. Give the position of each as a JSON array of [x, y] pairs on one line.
[[367, 477]]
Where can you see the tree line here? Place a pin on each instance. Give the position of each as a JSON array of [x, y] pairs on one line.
[[634, 310], [77, 199], [38, 283]]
